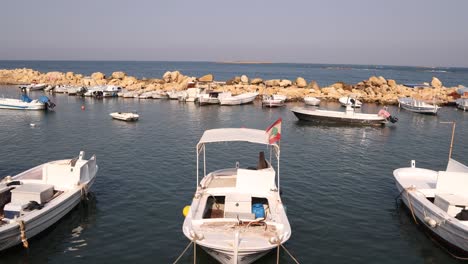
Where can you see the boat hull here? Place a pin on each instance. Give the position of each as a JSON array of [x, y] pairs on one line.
[[343, 119], [420, 110], [227, 257], [453, 238], [19, 105], [272, 103], [237, 100]]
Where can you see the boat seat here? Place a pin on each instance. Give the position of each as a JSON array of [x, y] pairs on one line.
[[238, 205]]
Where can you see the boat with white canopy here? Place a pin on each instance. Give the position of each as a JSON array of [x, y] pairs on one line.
[[34, 200], [237, 215], [438, 201]]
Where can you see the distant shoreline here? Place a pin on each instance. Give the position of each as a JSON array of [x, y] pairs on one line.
[[244, 62]]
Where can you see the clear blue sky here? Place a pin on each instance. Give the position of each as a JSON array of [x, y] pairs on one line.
[[393, 32]]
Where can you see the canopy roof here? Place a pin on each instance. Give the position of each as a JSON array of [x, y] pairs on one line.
[[235, 134]]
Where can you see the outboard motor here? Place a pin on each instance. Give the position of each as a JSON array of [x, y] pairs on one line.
[[384, 113], [44, 99]]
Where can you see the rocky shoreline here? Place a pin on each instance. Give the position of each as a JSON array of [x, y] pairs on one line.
[[374, 90]]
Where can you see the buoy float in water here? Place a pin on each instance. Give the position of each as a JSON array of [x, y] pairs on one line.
[[32, 125], [186, 210], [83, 107]]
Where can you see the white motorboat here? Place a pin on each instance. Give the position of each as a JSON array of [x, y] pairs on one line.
[[76, 90], [237, 215], [211, 97], [34, 86], [462, 103], [339, 117], [275, 100], [174, 95], [351, 101], [34, 200], [438, 201], [191, 94], [61, 89], [308, 100], [417, 106], [244, 98], [26, 103], [103, 91], [125, 116]]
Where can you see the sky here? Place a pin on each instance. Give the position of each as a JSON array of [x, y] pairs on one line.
[[376, 32]]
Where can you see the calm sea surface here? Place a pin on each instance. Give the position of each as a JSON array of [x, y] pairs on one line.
[[337, 181]]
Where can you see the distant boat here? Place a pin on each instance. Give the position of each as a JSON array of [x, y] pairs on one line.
[[339, 117], [26, 103], [211, 97], [125, 116], [275, 100], [462, 103], [34, 200], [244, 98], [311, 101], [417, 85], [351, 101], [33, 86], [417, 106]]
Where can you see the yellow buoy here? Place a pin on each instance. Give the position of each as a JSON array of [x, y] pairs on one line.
[[186, 210]]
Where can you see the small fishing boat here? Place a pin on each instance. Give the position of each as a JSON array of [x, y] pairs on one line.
[[339, 117], [125, 116], [34, 200], [174, 95], [26, 103], [311, 101], [211, 97], [462, 103], [191, 94], [275, 100], [245, 98], [417, 106], [236, 214], [351, 101], [438, 202], [34, 86]]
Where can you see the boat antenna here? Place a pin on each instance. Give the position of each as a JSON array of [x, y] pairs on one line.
[[454, 124]]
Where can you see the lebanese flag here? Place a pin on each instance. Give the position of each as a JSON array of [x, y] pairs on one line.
[[274, 131]]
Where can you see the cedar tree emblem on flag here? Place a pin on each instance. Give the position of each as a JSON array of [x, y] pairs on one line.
[[274, 131]]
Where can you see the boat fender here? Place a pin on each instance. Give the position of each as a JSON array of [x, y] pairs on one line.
[[431, 222], [186, 210]]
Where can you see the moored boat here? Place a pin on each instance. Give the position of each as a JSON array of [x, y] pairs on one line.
[[237, 215], [339, 117], [211, 97], [245, 98], [308, 100], [34, 200], [273, 100], [462, 103], [417, 106], [33, 86], [438, 201], [26, 103], [125, 116], [350, 101]]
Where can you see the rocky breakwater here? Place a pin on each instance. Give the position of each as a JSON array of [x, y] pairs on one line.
[[375, 89]]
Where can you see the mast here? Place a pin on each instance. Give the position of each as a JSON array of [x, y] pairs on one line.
[[454, 124]]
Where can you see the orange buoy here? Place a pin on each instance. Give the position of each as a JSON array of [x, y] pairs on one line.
[[83, 107]]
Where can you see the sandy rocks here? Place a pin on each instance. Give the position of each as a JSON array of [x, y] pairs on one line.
[[301, 82], [285, 83], [206, 78], [256, 81], [98, 76], [436, 83], [119, 75], [128, 80], [244, 79]]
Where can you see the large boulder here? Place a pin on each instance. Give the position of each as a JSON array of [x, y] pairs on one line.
[[271, 83], [175, 75], [167, 77], [314, 85], [119, 75], [244, 79], [206, 78], [377, 81], [301, 82], [98, 76], [285, 83], [256, 81], [392, 83], [436, 83], [128, 80]]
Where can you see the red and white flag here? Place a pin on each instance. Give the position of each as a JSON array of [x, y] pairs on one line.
[[274, 131]]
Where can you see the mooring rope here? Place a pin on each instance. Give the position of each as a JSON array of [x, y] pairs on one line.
[[411, 204], [289, 253], [183, 252], [22, 228]]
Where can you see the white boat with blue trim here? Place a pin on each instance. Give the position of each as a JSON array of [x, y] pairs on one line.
[[26, 103], [417, 106], [33, 200], [237, 215]]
